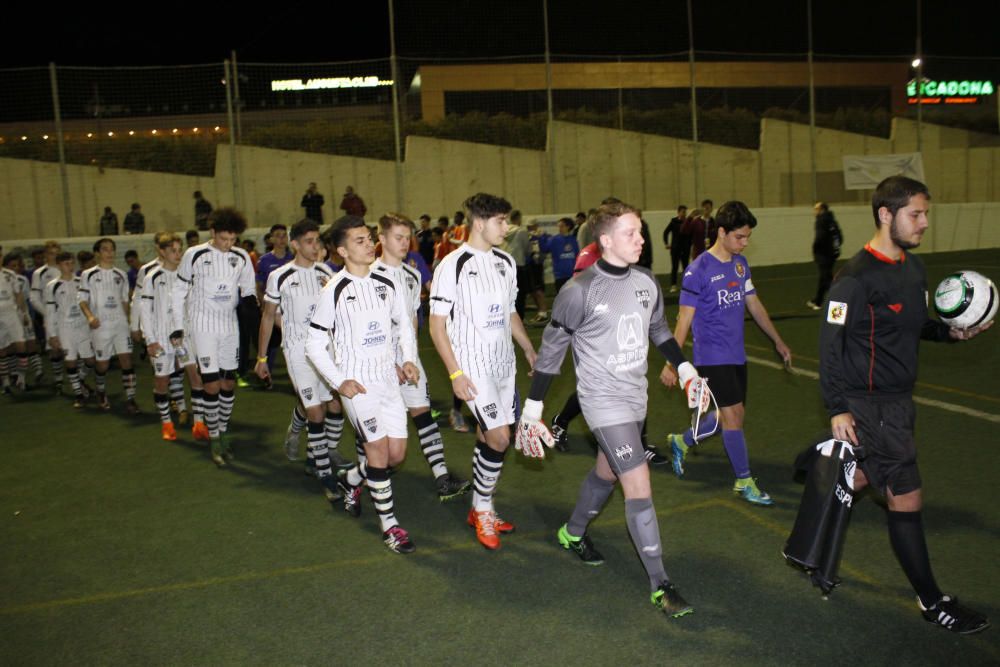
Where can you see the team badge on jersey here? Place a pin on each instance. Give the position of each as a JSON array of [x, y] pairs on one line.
[[381, 291], [491, 410], [836, 313], [501, 268], [624, 452], [642, 295], [233, 261], [118, 280], [307, 393], [371, 425], [740, 270]]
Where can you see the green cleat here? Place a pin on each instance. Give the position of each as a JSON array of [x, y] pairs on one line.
[[667, 599], [581, 546]]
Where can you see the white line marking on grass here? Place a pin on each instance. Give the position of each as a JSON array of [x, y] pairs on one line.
[[951, 407]]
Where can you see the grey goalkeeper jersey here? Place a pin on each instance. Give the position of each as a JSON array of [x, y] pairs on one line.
[[609, 319]]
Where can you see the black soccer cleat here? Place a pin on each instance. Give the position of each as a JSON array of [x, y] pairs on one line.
[[667, 599], [559, 434], [450, 486], [952, 616], [331, 489], [654, 456], [581, 546], [352, 494]]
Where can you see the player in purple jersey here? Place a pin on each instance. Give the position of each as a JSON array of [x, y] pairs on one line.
[[268, 262], [715, 291]]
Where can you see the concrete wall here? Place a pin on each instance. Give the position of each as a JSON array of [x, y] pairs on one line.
[[590, 163], [31, 198], [441, 174], [274, 181]]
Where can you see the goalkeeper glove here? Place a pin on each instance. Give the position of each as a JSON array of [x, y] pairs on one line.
[[695, 387], [531, 432]]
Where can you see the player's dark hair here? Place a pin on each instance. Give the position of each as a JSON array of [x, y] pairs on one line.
[[484, 206], [894, 193], [227, 219], [276, 227], [192, 234], [438, 231], [61, 257], [734, 215], [131, 253], [84, 256], [707, 201], [425, 217], [682, 207], [443, 220], [515, 215], [14, 256], [301, 228], [605, 217], [99, 242], [389, 220], [338, 230]]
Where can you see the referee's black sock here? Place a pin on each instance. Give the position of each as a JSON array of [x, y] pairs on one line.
[[906, 534]]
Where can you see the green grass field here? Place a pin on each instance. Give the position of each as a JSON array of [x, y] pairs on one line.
[[118, 548]]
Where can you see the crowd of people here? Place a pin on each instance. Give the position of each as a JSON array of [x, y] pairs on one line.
[[345, 303]]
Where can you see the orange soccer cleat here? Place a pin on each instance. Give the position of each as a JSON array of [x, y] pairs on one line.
[[200, 431], [485, 524], [168, 431]]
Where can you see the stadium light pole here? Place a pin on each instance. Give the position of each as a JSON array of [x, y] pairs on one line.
[[67, 209], [232, 134], [394, 68], [694, 101], [812, 103], [551, 115], [920, 79]]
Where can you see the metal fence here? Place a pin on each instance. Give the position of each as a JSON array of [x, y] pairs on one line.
[[175, 119]]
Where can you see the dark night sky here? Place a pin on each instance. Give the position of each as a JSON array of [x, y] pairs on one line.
[[322, 32]]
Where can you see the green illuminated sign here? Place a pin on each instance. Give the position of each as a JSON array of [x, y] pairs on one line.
[[942, 88]]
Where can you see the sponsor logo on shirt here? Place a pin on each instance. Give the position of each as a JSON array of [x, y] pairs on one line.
[[713, 278], [629, 328], [836, 313], [727, 298], [375, 336]]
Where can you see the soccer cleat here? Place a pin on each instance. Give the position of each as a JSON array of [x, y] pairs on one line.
[[398, 540], [450, 486], [502, 526], [539, 320], [292, 444], [952, 616], [750, 492], [581, 546], [457, 421], [486, 528], [217, 452], [338, 460], [352, 494], [131, 407], [227, 446], [183, 417], [310, 468], [678, 451], [673, 289], [200, 432], [173, 407], [667, 599], [654, 456], [20, 384], [79, 402], [168, 431], [331, 489], [559, 434], [812, 305], [242, 382], [435, 414], [102, 401], [86, 390]]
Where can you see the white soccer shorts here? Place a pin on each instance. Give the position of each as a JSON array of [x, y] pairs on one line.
[[493, 405], [214, 352], [309, 386], [378, 413], [111, 339]]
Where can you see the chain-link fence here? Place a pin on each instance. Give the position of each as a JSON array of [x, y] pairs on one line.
[[245, 132]]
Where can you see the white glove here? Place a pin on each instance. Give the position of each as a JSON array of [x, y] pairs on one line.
[[531, 432], [694, 386]]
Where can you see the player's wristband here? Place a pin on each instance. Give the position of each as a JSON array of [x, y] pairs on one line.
[[261, 360], [456, 374]]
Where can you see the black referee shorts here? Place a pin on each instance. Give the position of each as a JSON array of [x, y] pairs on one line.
[[728, 383], [885, 429]]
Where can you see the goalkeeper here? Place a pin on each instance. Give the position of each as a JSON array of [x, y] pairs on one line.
[[609, 313]]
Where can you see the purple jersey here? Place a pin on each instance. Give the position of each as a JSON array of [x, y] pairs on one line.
[[269, 262], [717, 291]]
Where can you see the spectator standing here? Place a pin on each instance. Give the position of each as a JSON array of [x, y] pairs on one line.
[[352, 204], [312, 202], [425, 240], [202, 207], [135, 221], [826, 250], [564, 250], [678, 243], [109, 222]]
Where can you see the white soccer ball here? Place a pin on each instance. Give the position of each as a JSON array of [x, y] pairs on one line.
[[966, 299]]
